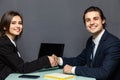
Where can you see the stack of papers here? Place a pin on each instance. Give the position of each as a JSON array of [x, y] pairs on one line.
[[59, 76]]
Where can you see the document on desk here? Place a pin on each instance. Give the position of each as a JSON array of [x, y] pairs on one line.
[[59, 76]]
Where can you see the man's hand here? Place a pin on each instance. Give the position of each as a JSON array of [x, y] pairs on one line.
[[67, 69]]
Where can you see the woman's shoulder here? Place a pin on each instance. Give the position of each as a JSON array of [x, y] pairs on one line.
[[4, 40]]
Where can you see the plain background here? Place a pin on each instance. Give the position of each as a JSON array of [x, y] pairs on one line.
[[58, 21]]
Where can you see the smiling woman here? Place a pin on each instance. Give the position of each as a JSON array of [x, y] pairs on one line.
[[11, 24], [11, 27], [15, 27]]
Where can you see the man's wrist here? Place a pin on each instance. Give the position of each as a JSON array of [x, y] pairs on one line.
[[73, 70]]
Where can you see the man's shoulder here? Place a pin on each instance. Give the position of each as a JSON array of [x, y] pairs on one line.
[[109, 36]]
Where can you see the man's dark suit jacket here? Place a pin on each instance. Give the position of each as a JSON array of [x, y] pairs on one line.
[[10, 61], [106, 60]]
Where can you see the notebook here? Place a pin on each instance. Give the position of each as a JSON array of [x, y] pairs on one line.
[[51, 48], [59, 76]]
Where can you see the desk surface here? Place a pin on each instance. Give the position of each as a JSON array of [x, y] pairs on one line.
[[41, 73]]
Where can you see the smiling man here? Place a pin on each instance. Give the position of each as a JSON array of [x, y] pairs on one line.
[[101, 61]]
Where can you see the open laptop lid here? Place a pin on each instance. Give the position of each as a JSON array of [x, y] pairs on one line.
[[51, 48]]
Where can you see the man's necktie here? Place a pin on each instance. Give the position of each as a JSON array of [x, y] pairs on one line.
[[92, 53]]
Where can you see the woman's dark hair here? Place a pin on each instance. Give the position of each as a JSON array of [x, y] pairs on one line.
[[93, 8], [6, 20]]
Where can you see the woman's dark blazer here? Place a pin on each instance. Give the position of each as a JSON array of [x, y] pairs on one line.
[[10, 61], [106, 60]]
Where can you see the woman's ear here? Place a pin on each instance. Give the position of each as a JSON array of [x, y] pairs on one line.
[[4, 28]]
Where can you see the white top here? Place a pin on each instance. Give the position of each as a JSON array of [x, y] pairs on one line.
[[97, 41]]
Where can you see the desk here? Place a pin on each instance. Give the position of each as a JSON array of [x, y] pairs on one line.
[[14, 76]]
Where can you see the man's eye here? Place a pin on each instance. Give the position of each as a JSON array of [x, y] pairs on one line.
[[87, 20], [96, 18]]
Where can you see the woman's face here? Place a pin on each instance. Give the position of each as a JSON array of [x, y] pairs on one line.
[[15, 28]]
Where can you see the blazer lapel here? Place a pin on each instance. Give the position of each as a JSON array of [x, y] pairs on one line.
[[9, 42], [100, 46]]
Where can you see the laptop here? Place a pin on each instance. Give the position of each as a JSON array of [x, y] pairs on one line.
[[51, 48]]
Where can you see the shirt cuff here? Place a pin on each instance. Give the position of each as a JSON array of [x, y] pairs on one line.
[[73, 70], [61, 61]]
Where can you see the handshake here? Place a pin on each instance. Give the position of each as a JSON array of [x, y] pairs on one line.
[[54, 60]]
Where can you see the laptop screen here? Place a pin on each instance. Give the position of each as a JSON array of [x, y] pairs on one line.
[[51, 48]]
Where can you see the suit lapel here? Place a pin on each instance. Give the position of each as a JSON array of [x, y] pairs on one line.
[[9, 42], [88, 48], [100, 46]]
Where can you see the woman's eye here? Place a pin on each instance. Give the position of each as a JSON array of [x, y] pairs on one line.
[[20, 23], [13, 22]]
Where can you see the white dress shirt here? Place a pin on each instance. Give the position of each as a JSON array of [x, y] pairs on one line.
[[96, 41]]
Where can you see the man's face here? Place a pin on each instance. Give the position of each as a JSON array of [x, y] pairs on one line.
[[93, 22]]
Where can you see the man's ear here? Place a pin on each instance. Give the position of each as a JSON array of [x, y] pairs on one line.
[[103, 22]]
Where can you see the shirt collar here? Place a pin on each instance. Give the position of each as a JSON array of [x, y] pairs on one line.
[[97, 39]]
